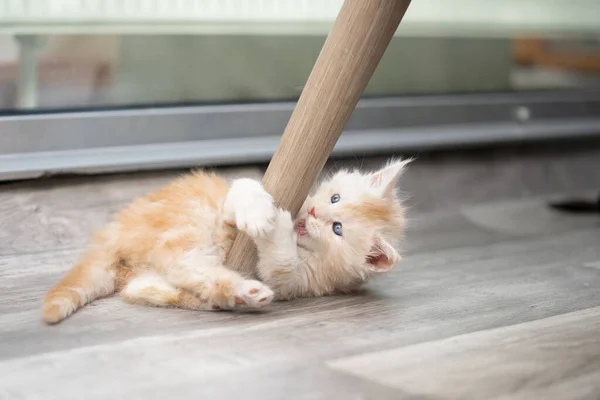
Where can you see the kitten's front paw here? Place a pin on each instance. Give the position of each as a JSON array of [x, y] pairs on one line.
[[252, 207], [285, 223]]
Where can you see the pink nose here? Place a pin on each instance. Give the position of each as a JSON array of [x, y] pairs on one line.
[[312, 212]]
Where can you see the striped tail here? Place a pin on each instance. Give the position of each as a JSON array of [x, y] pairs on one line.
[[86, 281]]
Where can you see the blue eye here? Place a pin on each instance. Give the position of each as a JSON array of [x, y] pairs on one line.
[[335, 198], [337, 228]]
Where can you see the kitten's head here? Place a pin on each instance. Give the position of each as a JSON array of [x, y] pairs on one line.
[[353, 222]]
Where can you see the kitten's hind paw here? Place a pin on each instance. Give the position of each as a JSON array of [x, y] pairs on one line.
[[253, 294]]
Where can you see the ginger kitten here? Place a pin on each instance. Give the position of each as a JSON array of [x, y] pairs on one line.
[[168, 248]]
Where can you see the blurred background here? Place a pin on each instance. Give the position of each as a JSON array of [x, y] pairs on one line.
[[109, 85]]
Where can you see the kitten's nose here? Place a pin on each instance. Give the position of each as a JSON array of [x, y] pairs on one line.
[[312, 212]]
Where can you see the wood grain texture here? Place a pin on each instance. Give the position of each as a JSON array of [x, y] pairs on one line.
[[350, 54], [111, 349], [114, 349], [553, 358]]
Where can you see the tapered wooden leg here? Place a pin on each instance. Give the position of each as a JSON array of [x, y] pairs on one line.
[[352, 51]]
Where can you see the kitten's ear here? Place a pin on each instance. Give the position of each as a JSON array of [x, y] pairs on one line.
[[386, 178], [382, 256]]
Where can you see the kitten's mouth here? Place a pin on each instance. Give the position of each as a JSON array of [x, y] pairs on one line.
[[300, 227]]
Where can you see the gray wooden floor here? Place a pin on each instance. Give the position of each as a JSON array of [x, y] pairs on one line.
[[494, 300]]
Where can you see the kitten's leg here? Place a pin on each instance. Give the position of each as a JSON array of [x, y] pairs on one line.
[[280, 265], [272, 230], [220, 288], [153, 290]]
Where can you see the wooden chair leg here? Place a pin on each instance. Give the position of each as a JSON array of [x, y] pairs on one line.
[[352, 51]]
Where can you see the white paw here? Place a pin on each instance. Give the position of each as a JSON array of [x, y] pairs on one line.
[[285, 223], [253, 294], [252, 207]]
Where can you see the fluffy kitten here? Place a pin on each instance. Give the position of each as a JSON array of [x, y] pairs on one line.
[[168, 248]]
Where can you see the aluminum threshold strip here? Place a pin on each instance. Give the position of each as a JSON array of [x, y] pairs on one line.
[[260, 149], [33, 145]]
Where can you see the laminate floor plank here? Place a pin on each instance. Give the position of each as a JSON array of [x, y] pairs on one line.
[[434, 295], [553, 358]]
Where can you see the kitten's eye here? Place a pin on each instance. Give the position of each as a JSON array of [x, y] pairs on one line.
[[335, 198], [337, 228]]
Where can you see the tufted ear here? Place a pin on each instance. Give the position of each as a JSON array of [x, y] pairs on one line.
[[382, 256], [386, 178]]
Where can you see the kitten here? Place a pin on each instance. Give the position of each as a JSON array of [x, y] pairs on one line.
[[168, 248]]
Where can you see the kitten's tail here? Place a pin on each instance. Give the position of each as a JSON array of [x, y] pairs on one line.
[[92, 278]]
